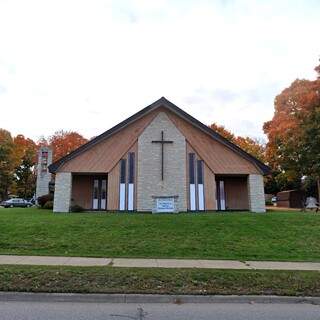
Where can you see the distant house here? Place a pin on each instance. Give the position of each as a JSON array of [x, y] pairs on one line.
[[161, 159]]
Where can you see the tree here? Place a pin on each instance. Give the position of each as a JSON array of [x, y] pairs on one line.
[[294, 131], [223, 132], [309, 143], [42, 142], [6, 162], [18, 159], [309, 185], [24, 172], [63, 142]]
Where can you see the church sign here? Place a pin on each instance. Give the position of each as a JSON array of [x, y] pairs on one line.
[[163, 204]]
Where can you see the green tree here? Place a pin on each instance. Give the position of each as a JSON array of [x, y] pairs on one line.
[[6, 162], [24, 171], [309, 185]]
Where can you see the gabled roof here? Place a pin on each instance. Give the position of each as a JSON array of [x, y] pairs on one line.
[[162, 102]]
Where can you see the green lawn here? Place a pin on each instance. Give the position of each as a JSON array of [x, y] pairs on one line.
[[158, 281], [284, 236]]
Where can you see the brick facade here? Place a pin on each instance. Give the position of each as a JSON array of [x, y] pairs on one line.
[[150, 183]]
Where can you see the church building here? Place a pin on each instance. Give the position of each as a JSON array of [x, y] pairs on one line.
[[161, 159]]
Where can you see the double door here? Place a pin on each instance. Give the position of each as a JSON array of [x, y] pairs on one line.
[[99, 195]]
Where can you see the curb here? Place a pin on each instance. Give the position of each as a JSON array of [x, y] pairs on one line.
[[140, 298]]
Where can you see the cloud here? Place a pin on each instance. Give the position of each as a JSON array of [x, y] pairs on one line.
[[3, 89], [221, 61]]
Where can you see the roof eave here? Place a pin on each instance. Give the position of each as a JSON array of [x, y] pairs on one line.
[[162, 102]]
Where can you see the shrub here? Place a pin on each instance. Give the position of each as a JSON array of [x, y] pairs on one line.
[[269, 203], [42, 200], [76, 208], [48, 205]]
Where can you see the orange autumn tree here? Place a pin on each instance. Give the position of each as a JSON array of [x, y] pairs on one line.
[[17, 161], [294, 131], [285, 125], [64, 142]]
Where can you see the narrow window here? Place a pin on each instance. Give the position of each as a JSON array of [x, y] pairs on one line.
[[200, 185], [122, 205], [95, 194], [222, 195], [131, 181], [103, 194], [44, 162], [192, 182]]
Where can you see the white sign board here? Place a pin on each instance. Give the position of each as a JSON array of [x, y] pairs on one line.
[[165, 205]]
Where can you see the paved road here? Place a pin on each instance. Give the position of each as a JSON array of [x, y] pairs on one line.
[[20, 310]]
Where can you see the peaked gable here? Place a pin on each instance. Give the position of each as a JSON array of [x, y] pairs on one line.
[[104, 154], [147, 114]]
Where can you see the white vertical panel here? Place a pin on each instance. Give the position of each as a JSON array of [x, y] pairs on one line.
[[130, 196], [192, 197], [222, 196], [103, 194], [122, 205], [95, 194], [200, 197]]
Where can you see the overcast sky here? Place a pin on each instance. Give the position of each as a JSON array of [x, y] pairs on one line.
[[86, 65]]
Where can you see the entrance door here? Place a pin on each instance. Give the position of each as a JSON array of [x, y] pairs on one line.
[[99, 198], [221, 195]]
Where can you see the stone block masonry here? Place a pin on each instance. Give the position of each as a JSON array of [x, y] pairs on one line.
[[256, 193], [62, 195], [150, 183], [43, 175]]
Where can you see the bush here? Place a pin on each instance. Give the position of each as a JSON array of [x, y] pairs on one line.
[[42, 200], [76, 208], [269, 203], [48, 205]]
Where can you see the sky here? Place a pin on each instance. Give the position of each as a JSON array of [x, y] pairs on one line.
[[86, 65]]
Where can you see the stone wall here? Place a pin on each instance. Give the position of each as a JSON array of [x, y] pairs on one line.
[[150, 183], [256, 193], [62, 195]]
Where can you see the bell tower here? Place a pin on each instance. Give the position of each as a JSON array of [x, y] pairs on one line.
[[43, 174]]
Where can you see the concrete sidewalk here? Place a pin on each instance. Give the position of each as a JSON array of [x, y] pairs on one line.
[[158, 263]]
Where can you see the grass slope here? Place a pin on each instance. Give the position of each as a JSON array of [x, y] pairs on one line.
[[158, 281], [284, 236]]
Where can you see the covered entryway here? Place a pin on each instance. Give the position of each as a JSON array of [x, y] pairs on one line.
[[232, 192], [90, 191]]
